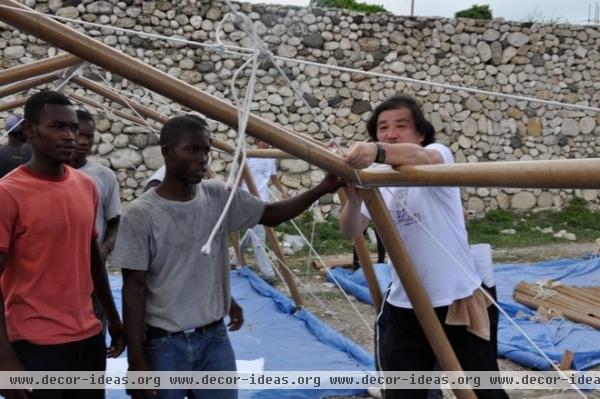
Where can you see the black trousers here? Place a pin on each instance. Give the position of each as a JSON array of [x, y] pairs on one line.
[[401, 345], [88, 354]]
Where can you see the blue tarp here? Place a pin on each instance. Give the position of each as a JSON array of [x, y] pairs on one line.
[[285, 340], [553, 338]]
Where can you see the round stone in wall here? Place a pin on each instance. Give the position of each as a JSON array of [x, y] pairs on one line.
[[523, 201]]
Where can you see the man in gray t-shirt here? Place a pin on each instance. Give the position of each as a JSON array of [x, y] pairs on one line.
[[175, 297], [108, 212], [109, 198]]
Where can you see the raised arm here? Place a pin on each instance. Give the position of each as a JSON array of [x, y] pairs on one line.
[[362, 155], [280, 211]]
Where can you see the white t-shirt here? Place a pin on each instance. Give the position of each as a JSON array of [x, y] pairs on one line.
[[261, 169], [439, 209]]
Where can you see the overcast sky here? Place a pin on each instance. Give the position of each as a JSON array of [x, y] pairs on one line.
[[572, 11]]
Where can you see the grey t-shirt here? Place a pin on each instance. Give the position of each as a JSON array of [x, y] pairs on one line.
[[185, 288], [109, 204]]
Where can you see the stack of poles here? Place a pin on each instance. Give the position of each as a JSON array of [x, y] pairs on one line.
[[579, 304], [540, 174]]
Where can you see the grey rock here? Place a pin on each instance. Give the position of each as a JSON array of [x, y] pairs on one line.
[[285, 50], [523, 201], [569, 127], [152, 157], [311, 100], [206, 67], [125, 159], [517, 39], [14, 52], [491, 35], [68, 12], [587, 125], [314, 40], [496, 53], [360, 107], [508, 54], [516, 142], [485, 51], [294, 166], [398, 67], [100, 7], [537, 60], [461, 38], [54, 5]]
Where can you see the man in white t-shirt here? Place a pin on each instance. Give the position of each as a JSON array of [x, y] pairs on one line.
[[431, 224], [263, 171]]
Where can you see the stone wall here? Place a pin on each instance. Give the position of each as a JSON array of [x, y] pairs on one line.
[[553, 62]]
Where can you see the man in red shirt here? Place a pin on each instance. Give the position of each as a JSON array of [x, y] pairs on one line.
[[50, 262]]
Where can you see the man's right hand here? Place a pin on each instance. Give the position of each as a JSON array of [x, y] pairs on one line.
[[139, 363], [11, 363]]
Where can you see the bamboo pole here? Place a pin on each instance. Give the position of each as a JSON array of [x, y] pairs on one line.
[[138, 72], [116, 112], [7, 106], [27, 84], [402, 263], [140, 108], [268, 153], [280, 262], [568, 313], [364, 257], [185, 94], [26, 71], [562, 173]]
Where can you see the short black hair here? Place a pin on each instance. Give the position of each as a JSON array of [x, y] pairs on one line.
[[175, 127], [422, 125], [84, 115], [34, 107]]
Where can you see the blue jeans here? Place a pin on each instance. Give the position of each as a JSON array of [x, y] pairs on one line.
[[208, 350]]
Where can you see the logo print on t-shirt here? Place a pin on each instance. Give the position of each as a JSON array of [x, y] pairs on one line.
[[401, 215]]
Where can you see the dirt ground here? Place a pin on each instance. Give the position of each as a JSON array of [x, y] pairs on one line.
[[327, 302]]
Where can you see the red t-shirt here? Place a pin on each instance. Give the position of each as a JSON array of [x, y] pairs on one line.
[[46, 230]]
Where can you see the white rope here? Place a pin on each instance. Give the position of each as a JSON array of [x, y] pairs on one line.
[[237, 169], [484, 291], [245, 52], [309, 291]]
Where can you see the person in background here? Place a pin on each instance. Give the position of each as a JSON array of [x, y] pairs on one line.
[[263, 171], [108, 212], [16, 152]]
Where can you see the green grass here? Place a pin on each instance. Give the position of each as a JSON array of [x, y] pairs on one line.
[[574, 218], [327, 237]]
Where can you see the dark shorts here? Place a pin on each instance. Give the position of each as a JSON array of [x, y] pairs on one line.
[[88, 354]]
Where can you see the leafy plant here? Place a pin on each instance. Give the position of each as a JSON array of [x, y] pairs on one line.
[[475, 12], [347, 5]]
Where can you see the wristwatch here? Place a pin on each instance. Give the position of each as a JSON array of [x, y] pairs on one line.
[[380, 157]]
